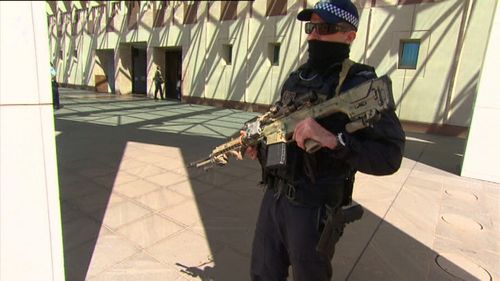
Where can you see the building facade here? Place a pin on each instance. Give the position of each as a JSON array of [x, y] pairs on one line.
[[238, 53]]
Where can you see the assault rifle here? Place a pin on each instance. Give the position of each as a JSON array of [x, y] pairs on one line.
[[362, 104]]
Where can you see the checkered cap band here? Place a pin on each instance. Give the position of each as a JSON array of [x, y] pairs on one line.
[[343, 14]]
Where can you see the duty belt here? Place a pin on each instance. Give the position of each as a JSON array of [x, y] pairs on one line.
[[303, 195]]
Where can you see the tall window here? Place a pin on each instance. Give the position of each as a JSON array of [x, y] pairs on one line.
[[227, 53], [274, 53], [190, 11], [276, 8], [408, 53], [228, 10]]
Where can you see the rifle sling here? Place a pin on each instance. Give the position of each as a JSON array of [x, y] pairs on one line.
[[346, 66]]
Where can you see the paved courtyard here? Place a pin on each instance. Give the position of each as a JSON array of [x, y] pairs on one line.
[[131, 210]]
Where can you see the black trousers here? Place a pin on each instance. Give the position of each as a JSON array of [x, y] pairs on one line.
[[158, 88], [55, 94], [286, 235]]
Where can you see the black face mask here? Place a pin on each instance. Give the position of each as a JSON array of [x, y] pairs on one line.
[[323, 54]]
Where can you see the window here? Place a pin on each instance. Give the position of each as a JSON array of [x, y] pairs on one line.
[[274, 53], [276, 8], [228, 10], [227, 53], [408, 54]]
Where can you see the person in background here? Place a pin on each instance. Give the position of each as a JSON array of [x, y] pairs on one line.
[[158, 79], [301, 194], [55, 88], [178, 87]]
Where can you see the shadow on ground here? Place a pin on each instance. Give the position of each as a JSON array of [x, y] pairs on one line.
[[228, 211]]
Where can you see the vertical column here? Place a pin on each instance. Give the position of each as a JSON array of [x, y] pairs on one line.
[[30, 221], [483, 149], [123, 84]]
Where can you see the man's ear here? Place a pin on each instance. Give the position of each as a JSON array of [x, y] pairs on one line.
[[351, 35]]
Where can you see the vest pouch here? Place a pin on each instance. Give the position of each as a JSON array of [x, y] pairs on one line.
[[276, 155]]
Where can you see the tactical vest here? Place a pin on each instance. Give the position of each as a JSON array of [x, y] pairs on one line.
[[313, 172]]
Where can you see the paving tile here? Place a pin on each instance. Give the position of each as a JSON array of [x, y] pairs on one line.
[[140, 267], [149, 230], [145, 171], [476, 256], [228, 265], [421, 225], [151, 157], [121, 214], [97, 171], [186, 213], [228, 232], [170, 164], [99, 199], [236, 169], [457, 266], [189, 172], [135, 188], [111, 180], [130, 163], [216, 178], [185, 248], [78, 189], [78, 231], [190, 188], [161, 198], [166, 179], [393, 255], [220, 199], [109, 250]]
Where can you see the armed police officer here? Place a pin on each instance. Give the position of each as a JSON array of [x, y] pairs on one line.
[[310, 186]]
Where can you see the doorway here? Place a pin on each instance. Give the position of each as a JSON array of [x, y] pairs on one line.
[[139, 66], [104, 76], [173, 74]]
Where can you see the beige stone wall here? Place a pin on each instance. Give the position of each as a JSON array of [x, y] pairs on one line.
[[441, 90]]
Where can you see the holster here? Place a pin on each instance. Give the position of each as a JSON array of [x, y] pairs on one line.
[[334, 224], [332, 231]]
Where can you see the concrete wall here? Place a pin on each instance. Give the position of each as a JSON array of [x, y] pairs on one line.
[[440, 91], [482, 152], [30, 222]]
